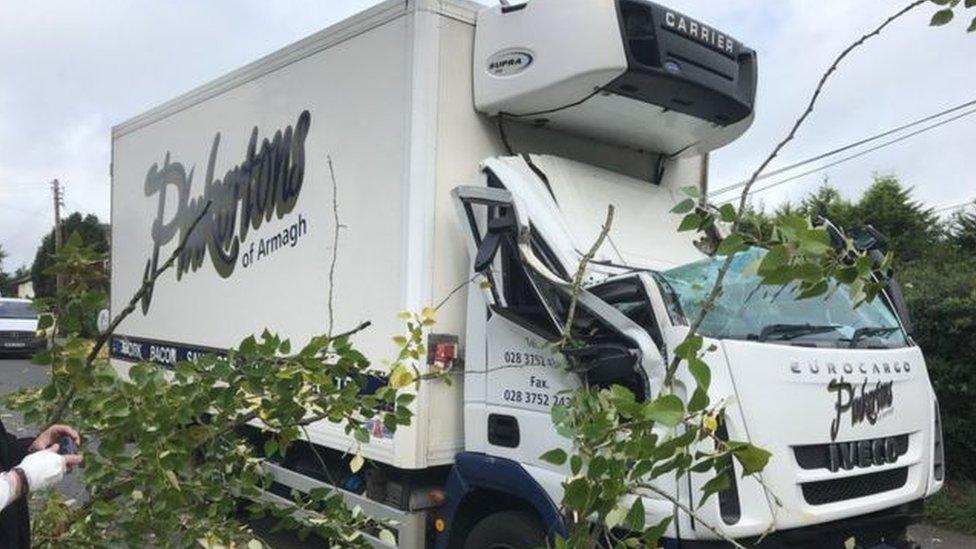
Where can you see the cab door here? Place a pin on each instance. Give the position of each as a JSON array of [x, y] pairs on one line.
[[519, 245]]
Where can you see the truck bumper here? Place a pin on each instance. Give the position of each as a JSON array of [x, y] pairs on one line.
[[885, 528]]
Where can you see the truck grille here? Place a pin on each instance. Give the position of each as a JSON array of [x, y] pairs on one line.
[[828, 491], [817, 456]]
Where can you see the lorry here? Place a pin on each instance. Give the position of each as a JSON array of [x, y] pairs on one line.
[[475, 151]]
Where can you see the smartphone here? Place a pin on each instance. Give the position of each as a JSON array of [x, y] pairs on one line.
[[67, 446]]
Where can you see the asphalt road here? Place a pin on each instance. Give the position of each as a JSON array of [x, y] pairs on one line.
[[20, 373]]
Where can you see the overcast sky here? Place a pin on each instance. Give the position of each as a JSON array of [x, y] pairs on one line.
[[70, 70]]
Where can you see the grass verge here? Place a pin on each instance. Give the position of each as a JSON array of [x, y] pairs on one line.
[[954, 507]]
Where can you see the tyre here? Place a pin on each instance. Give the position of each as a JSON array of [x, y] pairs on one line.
[[507, 530]]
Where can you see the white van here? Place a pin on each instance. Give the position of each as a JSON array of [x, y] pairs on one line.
[[18, 328]]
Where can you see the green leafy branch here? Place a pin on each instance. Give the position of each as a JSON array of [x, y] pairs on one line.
[[947, 13]]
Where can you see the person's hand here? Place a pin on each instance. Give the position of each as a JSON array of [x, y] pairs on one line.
[[52, 435], [43, 469], [70, 460]]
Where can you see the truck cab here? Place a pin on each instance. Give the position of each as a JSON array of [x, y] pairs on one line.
[[839, 394]]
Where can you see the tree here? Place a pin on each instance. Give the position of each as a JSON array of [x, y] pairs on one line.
[[170, 464], [93, 233], [4, 277], [962, 229], [827, 202], [888, 207]]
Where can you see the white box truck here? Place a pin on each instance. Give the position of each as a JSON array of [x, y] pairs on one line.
[[528, 120]]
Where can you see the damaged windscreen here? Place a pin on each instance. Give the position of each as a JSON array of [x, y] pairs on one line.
[[749, 310]]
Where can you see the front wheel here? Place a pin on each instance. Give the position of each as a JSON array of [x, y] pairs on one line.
[[506, 530]]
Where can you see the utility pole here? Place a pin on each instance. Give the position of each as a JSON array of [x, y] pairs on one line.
[[58, 194]]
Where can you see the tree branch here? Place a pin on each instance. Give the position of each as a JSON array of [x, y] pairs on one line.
[[147, 284], [580, 272], [362, 326], [691, 513], [335, 242]]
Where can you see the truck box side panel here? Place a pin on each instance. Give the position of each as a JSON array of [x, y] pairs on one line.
[[355, 99], [356, 96]]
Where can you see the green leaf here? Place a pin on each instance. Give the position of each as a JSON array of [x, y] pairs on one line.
[[684, 206], [361, 435], [555, 456], [652, 536], [733, 243], [575, 464], [972, 26], [576, 495], [635, 517], [692, 191], [752, 459], [270, 447], [970, 3], [667, 410], [727, 213], [691, 222], [941, 17], [700, 371], [248, 346], [45, 322], [703, 465], [643, 467], [689, 348], [718, 483], [699, 401], [818, 288]]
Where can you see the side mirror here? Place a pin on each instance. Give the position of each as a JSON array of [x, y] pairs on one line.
[[893, 290], [871, 240], [497, 229], [104, 321], [868, 238]]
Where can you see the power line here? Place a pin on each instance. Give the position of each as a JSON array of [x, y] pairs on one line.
[[959, 206], [856, 155], [847, 147]]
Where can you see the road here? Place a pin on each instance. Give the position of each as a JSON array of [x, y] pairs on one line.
[[20, 373]]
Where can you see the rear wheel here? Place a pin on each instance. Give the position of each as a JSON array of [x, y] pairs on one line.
[[506, 530]]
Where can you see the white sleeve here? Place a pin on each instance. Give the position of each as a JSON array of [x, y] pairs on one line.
[[6, 490]]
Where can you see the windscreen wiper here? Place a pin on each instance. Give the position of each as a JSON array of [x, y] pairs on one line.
[[792, 331], [871, 331]]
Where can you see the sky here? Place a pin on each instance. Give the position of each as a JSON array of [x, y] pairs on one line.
[[70, 70]]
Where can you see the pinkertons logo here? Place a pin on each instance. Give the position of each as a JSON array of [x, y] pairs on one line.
[[864, 402], [266, 183]]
